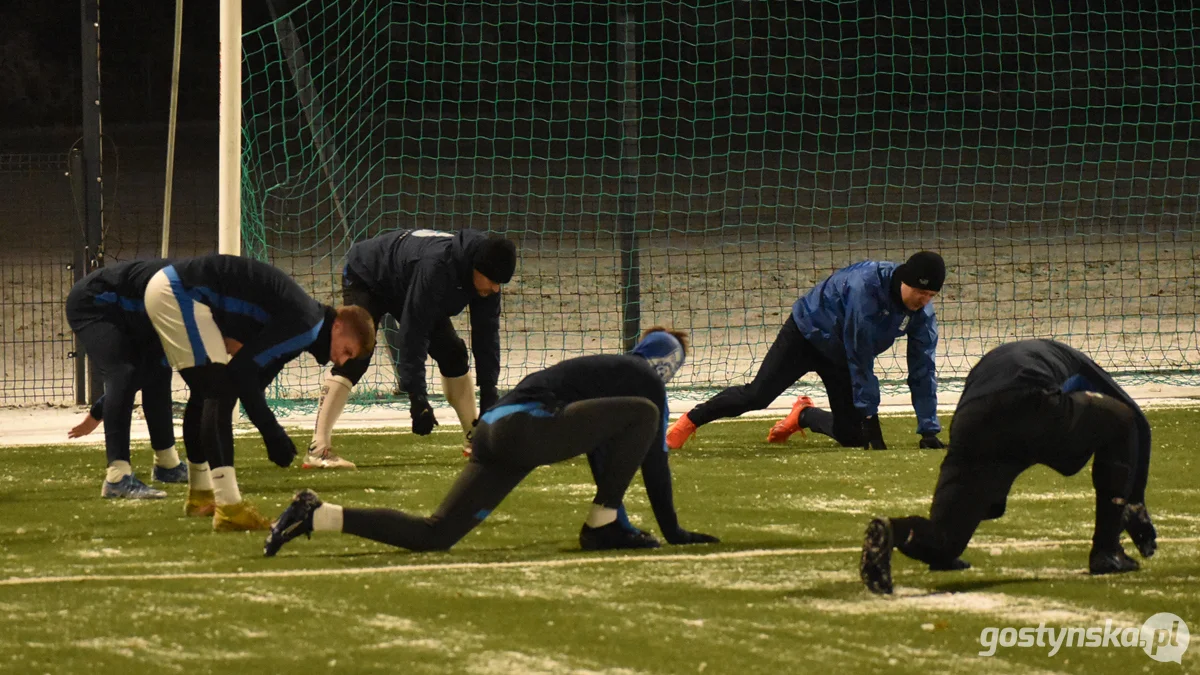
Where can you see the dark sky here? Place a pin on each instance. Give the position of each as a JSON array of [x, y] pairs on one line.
[[40, 53]]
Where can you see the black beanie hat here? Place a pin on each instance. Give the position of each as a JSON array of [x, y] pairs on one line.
[[925, 270], [496, 259]]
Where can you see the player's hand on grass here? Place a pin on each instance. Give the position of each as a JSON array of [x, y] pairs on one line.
[[280, 448], [87, 426], [681, 536], [423, 420], [872, 434], [1141, 529], [931, 442]]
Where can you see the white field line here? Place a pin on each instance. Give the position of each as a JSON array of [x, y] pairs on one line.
[[529, 564]]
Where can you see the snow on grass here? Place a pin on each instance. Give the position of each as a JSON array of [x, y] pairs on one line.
[[1013, 610], [505, 663], [99, 553]]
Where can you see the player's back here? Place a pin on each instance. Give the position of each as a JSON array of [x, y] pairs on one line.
[[245, 295], [1023, 365], [588, 377]]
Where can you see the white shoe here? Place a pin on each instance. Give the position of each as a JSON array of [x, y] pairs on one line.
[[326, 459]]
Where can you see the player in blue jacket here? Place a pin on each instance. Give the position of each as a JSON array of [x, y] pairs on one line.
[[611, 407], [837, 329], [228, 325]]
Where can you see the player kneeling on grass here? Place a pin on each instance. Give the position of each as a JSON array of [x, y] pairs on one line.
[[422, 278], [1025, 403], [228, 325], [837, 329], [106, 311], [611, 407]]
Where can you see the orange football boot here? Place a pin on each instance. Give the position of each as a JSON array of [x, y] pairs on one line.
[[789, 425], [679, 432]]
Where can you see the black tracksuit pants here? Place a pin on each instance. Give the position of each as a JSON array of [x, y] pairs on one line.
[[125, 368], [995, 438], [791, 357], [506, 450]]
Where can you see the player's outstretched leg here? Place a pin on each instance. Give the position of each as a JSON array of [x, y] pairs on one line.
[[785, 362]]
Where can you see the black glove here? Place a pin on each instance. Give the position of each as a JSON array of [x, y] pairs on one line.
[[931, 442], [280, 448], [872, 434], [681, 536], [1136, 520], [487, 398], [423, 420]]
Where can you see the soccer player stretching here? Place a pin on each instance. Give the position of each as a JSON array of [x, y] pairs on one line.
[[1026, 403], [106, 311], [611, 407], [422, 278], [837, 329], [228, 325]]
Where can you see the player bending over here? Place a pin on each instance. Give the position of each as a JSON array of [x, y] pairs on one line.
[[1026, 403], [106, 311], [611, 407], [422, 278], [228, 325], [837, 329]]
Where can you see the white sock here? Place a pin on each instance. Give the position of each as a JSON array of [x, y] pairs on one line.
[[166, 459], [118, 470], [460, 394], [225, 487], [600, 516], [334, 394], [199, 478], [327, 518]]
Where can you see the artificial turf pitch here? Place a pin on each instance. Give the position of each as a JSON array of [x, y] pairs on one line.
[[88, 585]]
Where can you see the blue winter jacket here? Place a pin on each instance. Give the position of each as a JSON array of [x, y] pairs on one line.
[[851, 318]]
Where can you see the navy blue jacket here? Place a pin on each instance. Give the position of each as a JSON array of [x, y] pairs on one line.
[[1046, 365], [114, 294], [607, 376], [422, 276], [851, 318], [264, 309]]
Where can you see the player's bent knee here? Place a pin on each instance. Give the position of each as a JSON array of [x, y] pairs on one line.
[[452, 359]]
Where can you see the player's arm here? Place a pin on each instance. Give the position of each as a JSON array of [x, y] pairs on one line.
[[1094, 378], [262, 356], [922, 376], [90, 421], [656, 474], [485, 345], [860, 359], [422, 307]]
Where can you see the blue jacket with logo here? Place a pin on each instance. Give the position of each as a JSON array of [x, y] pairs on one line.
[[851, 318]]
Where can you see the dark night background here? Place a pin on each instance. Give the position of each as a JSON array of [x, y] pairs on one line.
[[766, 143], [40, 60], [806, 60]]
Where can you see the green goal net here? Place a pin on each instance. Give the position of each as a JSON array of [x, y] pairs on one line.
[[700, 165]]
